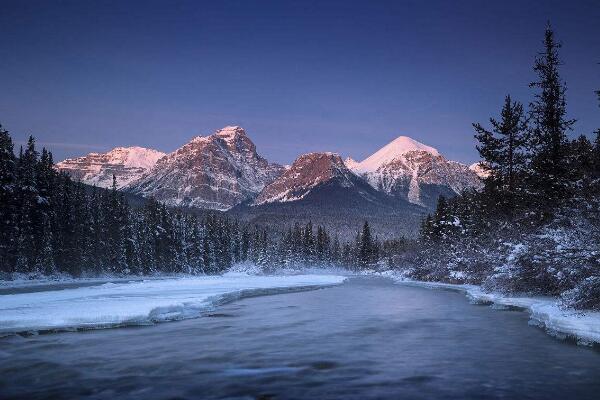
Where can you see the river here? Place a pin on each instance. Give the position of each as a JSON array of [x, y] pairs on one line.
[[365, 339]]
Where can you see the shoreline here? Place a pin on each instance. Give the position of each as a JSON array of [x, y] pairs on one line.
[[544, 312]]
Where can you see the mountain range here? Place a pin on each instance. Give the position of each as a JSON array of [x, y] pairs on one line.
[[393, 188]]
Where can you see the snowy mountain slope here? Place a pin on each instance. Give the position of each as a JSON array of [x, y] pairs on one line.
[[306, 173], [413, 171], [214, 172], [398, 147], [127, 164], [318, 187]]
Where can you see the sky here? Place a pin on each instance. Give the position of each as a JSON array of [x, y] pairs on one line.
[[299, 76]]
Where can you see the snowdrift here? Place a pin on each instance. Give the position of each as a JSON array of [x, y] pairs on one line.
[[140, 303]]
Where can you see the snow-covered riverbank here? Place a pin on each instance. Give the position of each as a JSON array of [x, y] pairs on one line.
[[544, 312], [128, 302], [138, 303]]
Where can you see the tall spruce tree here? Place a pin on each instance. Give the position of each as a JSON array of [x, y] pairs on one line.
[[365, 251], [504, 151], [548, 114], [8, 206], [596, 156], [44, 215], [27, 196]]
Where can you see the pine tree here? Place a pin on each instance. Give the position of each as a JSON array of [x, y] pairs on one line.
[[321, 243], [336, 251], [8, 207], [245, 243], [503, 149], [444, 224], [550, 124], [94, 235], [366, 246], [28, 199], [45, 257], [65, 244], [308, 243], [44, 215], [596, 156], [114, 221]]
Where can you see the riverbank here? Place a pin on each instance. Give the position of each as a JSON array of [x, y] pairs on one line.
[[140, 302], [545, 312]]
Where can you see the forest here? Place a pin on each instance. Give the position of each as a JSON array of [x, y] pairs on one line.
[[535, 227]]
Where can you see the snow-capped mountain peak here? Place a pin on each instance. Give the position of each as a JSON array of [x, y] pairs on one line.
[[414, 171], [391, 151], [307, 172], [135, 156], [216, 171], [127, 164], [230, 132]]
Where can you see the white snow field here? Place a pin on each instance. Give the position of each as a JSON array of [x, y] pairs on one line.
[[139, 303], [544, 312]]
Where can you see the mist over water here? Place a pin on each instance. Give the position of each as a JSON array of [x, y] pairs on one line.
[[366, 338]]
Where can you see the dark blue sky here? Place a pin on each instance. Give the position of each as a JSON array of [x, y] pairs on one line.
[[300, 76]]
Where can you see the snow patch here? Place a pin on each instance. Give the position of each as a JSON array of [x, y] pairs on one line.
[[140, 303], [391, 151], [414, 191]]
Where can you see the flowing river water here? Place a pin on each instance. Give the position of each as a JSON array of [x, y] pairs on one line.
[[367, 338]]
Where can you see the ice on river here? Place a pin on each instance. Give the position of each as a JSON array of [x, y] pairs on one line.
[[143, 302]]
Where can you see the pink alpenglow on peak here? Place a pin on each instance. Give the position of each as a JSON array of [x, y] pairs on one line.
[[415, 172], [217, 171], [127, 164], [391, 151], [307, 172]]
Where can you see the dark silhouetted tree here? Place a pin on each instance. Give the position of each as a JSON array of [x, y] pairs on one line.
[[548, 114]]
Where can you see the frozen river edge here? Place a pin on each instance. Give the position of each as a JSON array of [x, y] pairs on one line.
[[144, 302], [544, 312]]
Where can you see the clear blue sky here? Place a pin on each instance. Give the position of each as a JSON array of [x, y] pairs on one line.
[[300, 76]]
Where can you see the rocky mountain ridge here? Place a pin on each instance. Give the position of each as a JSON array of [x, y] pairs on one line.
[[127, 164], [215, 172]]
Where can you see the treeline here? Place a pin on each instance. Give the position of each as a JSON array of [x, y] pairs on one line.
[[535, 227], [51, 224]]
